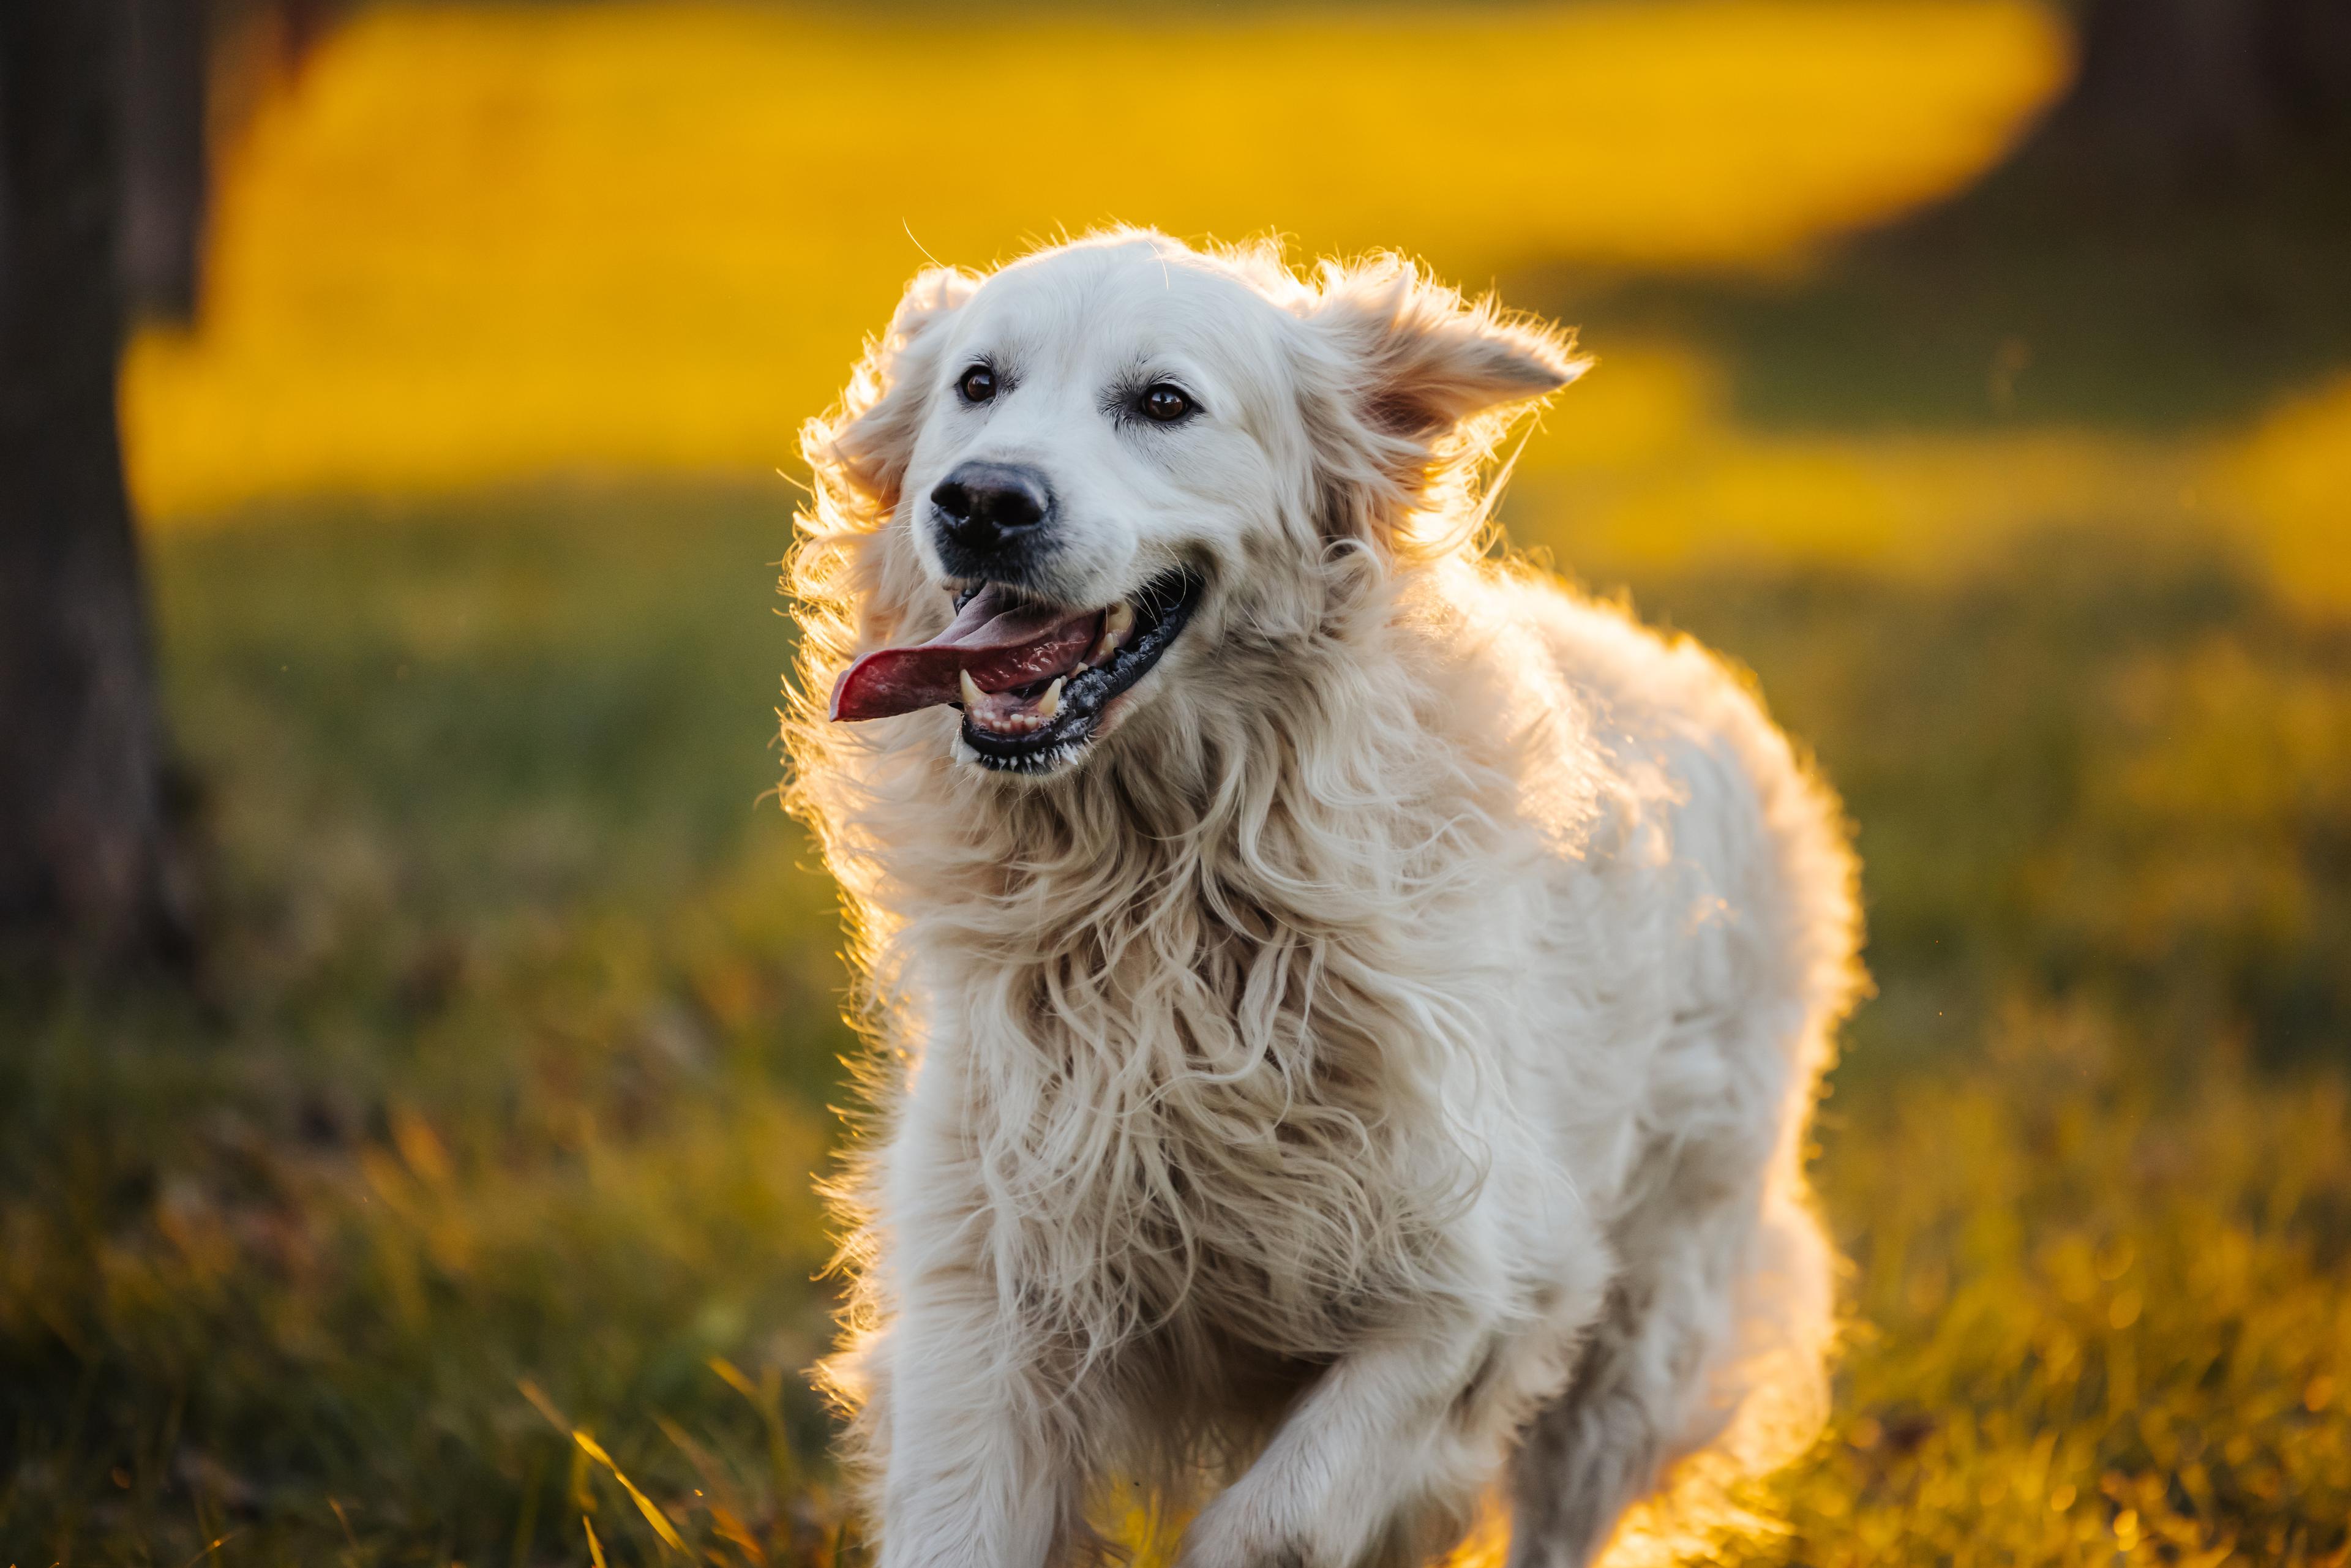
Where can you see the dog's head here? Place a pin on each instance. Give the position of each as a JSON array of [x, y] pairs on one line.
[[1121, 477]]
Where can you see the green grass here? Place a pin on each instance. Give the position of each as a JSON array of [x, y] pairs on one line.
[[509, 1068], [511, 1063]]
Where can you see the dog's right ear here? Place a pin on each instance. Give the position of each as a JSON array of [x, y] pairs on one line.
[[868, 443]]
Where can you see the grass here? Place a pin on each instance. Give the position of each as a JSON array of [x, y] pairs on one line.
[[496, 1115], [2101, 1312], [509, 1067]]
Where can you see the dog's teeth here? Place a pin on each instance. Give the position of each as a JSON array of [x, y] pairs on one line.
[[1118, 624], [1051, 702], [971, 691]]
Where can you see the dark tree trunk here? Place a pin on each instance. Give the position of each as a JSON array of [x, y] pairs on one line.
[[83, 856], [164, 175], [2170, 247], [2186, 99]]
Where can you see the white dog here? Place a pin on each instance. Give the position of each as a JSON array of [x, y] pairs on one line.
[[1348, 1009]]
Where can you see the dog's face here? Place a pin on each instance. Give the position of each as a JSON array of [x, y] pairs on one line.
[[1097, 420], [1114, 460]]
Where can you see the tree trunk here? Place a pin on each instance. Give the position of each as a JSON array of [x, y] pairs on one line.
[[164, 176], [82, 836], [2189, 98]]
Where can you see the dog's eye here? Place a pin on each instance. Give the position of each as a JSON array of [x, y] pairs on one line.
[[1164, 404], [978, 384]]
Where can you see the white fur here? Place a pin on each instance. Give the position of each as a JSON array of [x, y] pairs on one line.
[[1374, 1075]]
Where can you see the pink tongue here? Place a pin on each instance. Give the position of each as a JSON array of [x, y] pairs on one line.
[[1002, 644]]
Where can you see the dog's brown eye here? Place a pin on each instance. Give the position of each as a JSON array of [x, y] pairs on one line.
[[1166, 405], [978, 384]]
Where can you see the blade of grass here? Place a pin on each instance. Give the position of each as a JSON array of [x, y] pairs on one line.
[[526, 1528], [719, 1494], [595, 1450], [653, 1516], [212, 1546], [763, 1398]]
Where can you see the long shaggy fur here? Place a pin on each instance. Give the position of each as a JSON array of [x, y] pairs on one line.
[[1374, 1077]]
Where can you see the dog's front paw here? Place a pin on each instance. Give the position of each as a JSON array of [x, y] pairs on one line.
[[1231, 1533]]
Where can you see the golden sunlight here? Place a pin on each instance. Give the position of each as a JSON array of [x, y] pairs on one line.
[[476, 244]]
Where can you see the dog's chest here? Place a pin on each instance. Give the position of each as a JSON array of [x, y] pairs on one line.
[[1270, 1203]]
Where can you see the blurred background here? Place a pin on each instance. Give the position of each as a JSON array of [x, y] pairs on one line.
[[420, 1026]]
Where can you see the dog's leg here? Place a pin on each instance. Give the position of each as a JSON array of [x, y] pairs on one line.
[[1598, 1449], [1374, 1464], [1693, 1329], [973, 1476], [976, 1466]]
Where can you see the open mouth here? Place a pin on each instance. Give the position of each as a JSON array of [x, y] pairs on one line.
[[1032, 679]]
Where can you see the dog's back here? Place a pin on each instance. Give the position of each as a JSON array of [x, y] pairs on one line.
[[1709, 1361]]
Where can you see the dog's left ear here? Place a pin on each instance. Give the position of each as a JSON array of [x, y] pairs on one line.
[[1408, 387]]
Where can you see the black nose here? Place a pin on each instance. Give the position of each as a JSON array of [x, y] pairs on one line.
[[987, 512]]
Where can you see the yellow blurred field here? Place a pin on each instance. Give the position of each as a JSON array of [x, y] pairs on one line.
[[1643, 465], [475, 244], [479, 244]]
